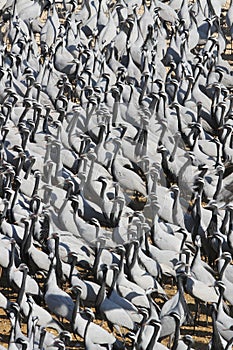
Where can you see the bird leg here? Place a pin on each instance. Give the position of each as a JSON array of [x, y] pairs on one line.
[[170, 341], [75, 335], [197, 315], [207, 309], [118, 330], [60, 319]]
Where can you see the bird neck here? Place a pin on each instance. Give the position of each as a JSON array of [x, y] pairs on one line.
[[13, 330], [222, 271], [164, 107], [227, 140], [216, 340], [4, 211], [47, 172], [172, 155], [197, 256], [175, 97], [20, 164], [219, 155], [31, 329], [220, 301], [184, 167], [187, 96], [72, 266], [12, 257], [45, 230], [58, 268], [230, 108], [62, 209], [24, 246], [213, 225], [22, 288], [153, 105], [89, 112], [177, 333], [115, 161], [26, 109], [164, 162], [195, 146], [37, 114], [230, 229], [41, 339], [115, 110], [215, 101], [36, 185], [99, 250], [229, 344], [90, 173], [76, 309], [121, 266], [45, 122], [113, 284], [211, 70], [59, 164], [196, 214], [51, 281], [72, 124], [154, 337], [2, 183], [138, 337], [100, 136], [180, 286], [219, 186], [144, 88], [17, 183], [223, 228], [100, 295], [134, 264], [86, 336], [25, 137], [147, 245], [103, 189]]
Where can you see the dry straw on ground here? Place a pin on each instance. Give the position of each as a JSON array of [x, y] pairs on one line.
[[202, 334]]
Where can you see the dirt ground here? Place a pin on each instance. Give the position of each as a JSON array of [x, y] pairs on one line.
[[202, 333]]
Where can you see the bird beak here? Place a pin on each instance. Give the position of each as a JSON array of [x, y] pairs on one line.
[[16, 157]]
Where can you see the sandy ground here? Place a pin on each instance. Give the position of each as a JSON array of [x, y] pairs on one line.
[[202, 333]]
